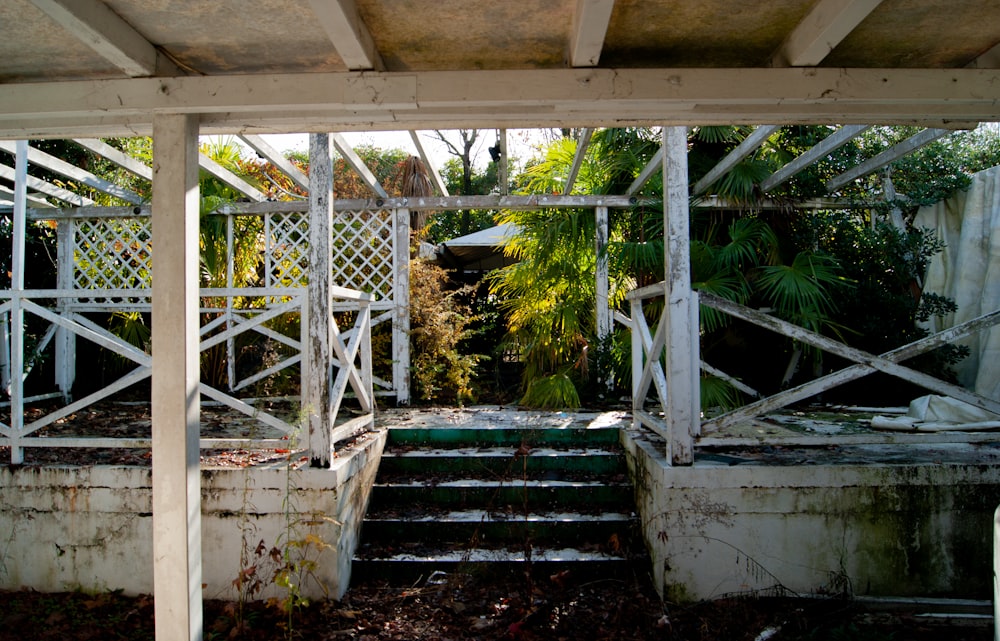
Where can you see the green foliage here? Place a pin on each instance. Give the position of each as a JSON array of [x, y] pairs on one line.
[[718, 393], [439, 325], [887, 265], [555, 391]]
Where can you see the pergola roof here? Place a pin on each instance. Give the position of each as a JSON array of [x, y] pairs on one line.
[[92, 67]]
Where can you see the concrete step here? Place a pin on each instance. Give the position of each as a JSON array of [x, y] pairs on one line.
[[498, 526], [501, 460], [513, 436], [412, 566], [533, 493], [549, 493]]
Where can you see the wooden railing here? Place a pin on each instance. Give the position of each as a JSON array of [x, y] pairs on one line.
[[650, 352], [352, 362]]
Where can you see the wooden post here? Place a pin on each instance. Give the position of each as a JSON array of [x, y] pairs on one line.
[[502, 177], [638, 396], [683, 409], [401, 306], [318, 355], [996, 575], [175, 379], [604, 321], [65, 339], [16, 388]]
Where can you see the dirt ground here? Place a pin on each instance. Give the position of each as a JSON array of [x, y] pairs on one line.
[[462, 607]]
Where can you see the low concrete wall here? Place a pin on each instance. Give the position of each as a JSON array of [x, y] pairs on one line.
[[91, 528], [906, 529]]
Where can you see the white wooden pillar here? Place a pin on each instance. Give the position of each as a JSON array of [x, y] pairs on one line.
[[175, 378], [996, 575], [502, 165], [16, 361], [65, 339], [603, 311], [401, 306], [683, 403], [318, 352]]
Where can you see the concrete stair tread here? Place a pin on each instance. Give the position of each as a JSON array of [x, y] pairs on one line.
[[497, 452], [495, 555], [473, 483], [488, 516]]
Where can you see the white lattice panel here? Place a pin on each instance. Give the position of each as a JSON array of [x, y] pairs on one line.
[[112, 253], [361, 243], [286, 250], [362, 251]]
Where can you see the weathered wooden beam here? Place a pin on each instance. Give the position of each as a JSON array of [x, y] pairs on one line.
[[175, 380], [823, 28], [590, 25], [97, 26], [680, 312], [318, 352], [654, 165], [60, 166], [121, 159], [274, 103], [434, 171], [229, 178], [347, 32], [351, 158], [581, 151], [47, 188], [746, 147], [825, 147], [401, 306], [890, 155], [8, 194], [273, 156]]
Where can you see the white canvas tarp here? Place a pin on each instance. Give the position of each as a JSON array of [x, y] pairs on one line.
[[968, 271]]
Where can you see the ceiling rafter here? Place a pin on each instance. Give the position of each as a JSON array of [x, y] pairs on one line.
[[431, 169], [348, 33], [60, 166], [116, 156], [647, 172], [31, 198], [890, 155], [590, 25], [819, 33], [272, 155], [746, 147], [581, 151], [351, 158], [822, 149], [104, 31], [47, 188], [989, 59], [229, 178]]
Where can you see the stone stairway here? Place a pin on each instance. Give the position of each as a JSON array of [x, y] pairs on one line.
[[487, 491]]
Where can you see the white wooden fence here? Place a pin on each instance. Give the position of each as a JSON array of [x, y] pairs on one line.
[[649, 377], [104, 265]]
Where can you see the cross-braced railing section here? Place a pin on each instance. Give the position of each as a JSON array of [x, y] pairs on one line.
[[864, 363], [353, 363], [250, 335], [675, 383], [651, 382]]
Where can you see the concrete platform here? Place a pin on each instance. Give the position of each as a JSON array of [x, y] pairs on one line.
[[804, 504]]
